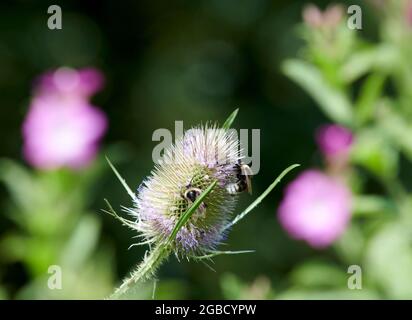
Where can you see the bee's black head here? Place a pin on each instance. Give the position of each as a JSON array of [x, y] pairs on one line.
[[192, 194]]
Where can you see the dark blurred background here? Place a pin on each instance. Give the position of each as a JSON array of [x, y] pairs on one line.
[[165, 61]]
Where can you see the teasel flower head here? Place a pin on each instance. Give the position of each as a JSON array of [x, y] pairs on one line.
[[185, 204], [204, 154]]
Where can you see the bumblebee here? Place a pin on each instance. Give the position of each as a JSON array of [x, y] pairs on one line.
[[243, 183], [191, 194]]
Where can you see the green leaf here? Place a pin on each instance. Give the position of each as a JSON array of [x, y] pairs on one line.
[[232, 286], [370, 93], [350, 246], [229, 121], [368, 98], [19, 182], [331, 100], [372, 151], [389, 260], [367, 205], [396, 128], [82, 242], [316, 274], [381, 58]]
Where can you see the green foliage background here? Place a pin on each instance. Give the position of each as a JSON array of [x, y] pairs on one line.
[[197, 61]]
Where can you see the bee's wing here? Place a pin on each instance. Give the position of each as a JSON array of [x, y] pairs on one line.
[[249, 184], [247, 172]]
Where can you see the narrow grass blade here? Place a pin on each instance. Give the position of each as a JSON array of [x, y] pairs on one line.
[[188, 213], [261, 197], [122, 181], [218, 253], [229, 121]]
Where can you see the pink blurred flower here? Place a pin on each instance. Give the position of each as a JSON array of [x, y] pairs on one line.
[[334, 140], [62, 129], [312, 16], [408, 13], [81, 83], [316, 208], [329, 18]]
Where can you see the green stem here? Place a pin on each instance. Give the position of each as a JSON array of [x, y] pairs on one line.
[[145, 270], [154, 259]]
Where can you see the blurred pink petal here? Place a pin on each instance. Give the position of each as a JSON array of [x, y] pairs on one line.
[[312, 16], [333, 15], [316, 18], [408, 13], [66, 81], [316, 208], [62, 129], [334, 140]]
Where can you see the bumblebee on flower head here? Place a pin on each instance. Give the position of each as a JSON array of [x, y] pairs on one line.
[[243, 183], [187, 169]]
